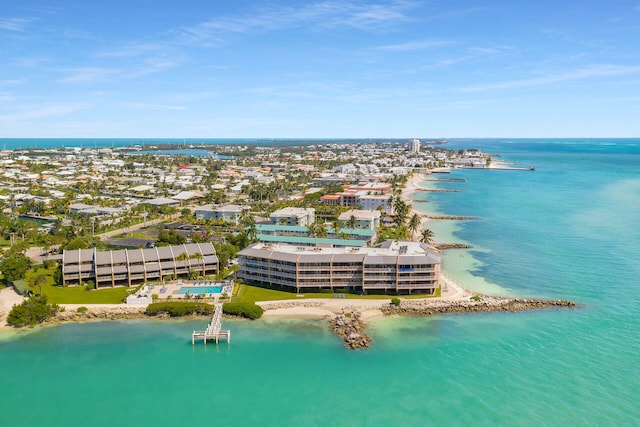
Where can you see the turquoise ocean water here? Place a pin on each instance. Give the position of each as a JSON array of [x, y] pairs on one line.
[[568, 230]]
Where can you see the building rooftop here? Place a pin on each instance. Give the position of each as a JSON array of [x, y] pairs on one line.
[[359, 214], [387, 248], [292, 211]]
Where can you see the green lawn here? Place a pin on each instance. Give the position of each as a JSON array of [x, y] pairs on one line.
[[249, 293], [76, 294], [79, 295], [133, 235]]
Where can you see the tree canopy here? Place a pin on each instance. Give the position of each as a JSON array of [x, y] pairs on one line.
[[31, 312], [15, 266]]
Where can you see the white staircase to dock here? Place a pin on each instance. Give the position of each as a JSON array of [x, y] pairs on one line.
[[214, 329]]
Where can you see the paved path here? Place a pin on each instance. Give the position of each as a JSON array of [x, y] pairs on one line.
[[109, 234]]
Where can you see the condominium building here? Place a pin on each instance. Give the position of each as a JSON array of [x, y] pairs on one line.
[[298, 235], [365, 200], [126, 267], [364, 219], [294, 216], [229, 213], [414, 145], [403, 267]]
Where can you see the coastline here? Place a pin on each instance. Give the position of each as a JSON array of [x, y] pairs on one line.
[[453, 299], [453, 296]]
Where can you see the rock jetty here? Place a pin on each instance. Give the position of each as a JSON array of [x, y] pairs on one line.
[[349, 326], [444, 246], [437, 190], [472, 305], [452, 217]]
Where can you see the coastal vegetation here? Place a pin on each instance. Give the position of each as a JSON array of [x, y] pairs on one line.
[[247, 310], [32, 311], [179, 309], [15, 266]]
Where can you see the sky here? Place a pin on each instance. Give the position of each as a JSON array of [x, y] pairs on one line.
[[319, 69]]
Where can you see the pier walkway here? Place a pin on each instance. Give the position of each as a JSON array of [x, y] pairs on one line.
[[214, 329]]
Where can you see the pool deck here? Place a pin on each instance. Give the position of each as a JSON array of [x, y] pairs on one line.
[[172, 290]]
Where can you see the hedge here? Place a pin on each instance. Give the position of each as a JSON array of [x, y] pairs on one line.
[[243, 309], [177, 309]]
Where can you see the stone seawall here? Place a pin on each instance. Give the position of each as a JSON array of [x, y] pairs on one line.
[[101, 313], [288, 304], [483, 304]]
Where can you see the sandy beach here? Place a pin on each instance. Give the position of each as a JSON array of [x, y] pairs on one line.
[[411, 187], [369, 308], [8, 298]]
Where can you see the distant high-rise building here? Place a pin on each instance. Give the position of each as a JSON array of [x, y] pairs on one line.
[[414, 145]]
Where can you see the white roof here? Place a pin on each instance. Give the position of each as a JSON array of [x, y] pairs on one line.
[[388, 248], [359, 214], [140, 188], [187, 195]]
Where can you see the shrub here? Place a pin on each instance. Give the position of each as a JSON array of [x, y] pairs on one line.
[[82, 309], [32, 311], [154, 296], [248, 310], [476, 298], [395, 301], [177, 309]]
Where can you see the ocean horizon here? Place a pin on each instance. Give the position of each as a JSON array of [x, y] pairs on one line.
[[51, 143], [564, 231]]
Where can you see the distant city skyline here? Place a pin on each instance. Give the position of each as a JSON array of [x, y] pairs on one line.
[[324, 69]]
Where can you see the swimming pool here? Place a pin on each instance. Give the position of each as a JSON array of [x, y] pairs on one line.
[[198, 290]]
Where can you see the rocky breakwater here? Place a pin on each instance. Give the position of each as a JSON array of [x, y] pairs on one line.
[[472, 305], [99, 313], [349, 326]]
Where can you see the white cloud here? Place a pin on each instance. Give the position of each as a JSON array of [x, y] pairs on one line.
[[6, 97], [145, 106], [593, 71], [41, 112], [331, 14], [417, 45], [89, 75], [131, 50], [15, 24]]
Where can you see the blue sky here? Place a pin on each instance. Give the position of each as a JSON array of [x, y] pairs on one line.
[[210, 68]]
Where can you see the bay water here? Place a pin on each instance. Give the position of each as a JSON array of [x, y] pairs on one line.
[[567, 230]]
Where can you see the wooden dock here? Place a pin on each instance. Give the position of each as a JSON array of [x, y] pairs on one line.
[[214, 330]]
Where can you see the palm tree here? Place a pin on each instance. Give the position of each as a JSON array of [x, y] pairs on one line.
[[352, 222], [414, 224], [403, 232], [336, 227], [40, 280], [426, 236], [401, 213], [321, 231], [312, 231], [200, 258], [316, 230], [182, 257], [252, 232]]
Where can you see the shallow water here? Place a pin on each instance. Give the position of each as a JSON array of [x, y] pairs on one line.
[[567, 230]]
